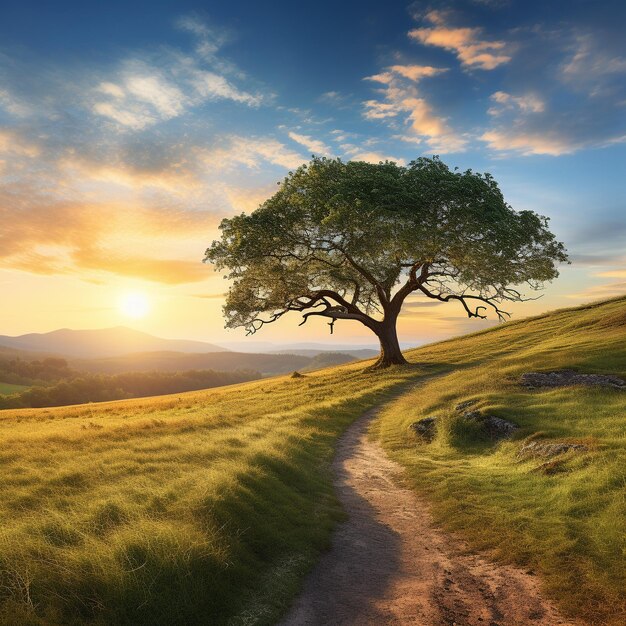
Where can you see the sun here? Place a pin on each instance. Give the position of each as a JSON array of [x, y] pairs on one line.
[[135, 305]]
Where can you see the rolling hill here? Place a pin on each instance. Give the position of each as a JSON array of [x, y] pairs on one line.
[[100, 343], [267, 364], [214, 504]]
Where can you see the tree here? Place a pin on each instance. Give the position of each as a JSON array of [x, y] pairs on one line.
[[352, 240]]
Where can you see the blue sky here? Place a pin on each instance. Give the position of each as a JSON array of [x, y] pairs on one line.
[[128, 130]]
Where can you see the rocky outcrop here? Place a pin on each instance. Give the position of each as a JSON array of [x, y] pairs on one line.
[[569, 378], [425, 428], [549, 449], [496, 427]]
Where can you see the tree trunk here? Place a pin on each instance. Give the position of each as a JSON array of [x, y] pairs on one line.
[[390, 353]]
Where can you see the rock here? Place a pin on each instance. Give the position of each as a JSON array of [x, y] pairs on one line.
[[465, 405], [568, 378], [297, 375], [473, 415], [425, 428], [546, 449], [497, 427]]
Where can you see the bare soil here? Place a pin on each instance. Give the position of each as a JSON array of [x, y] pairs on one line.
[[390, 564]]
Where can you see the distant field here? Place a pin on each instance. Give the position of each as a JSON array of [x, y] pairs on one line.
[[8, 388], [566, 520]]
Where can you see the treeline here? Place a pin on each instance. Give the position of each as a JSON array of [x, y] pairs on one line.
[[19, 372], [100, 388]]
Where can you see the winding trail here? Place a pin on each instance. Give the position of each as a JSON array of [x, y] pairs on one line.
[[389, 564]]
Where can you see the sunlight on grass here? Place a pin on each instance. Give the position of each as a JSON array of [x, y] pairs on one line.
[[568, 523], [205, 507], [209, 507]]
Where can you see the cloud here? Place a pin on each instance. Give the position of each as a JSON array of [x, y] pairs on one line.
[[208, 296], [528, 142], [472, 51], [528, 103], [420, 304], [376, 110], [589, 62], [402, 100], [45, 236], [13, 105], [249, 152], [13, 143], [412, 72], [143, 93], [314, 146], [600, 292], [613, 274], [167, 271], [245, 199]]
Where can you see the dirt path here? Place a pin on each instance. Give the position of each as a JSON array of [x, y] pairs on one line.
[[390, 565]]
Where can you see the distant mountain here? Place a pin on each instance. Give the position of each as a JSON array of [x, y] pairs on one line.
[[267, 364], [101, 343]]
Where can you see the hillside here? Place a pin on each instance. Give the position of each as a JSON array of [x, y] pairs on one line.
[[216, 503], [267, 364], [102, 342], [563, 515]]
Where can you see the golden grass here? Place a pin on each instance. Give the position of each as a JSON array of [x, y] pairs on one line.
[[204, 507]]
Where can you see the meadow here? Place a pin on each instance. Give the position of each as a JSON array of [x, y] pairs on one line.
[[204, 507], [210, 506]]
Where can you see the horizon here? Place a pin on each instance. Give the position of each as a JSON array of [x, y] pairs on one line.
[[119, 162]]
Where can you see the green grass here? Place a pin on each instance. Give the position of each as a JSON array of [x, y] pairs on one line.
[[568, 524], [209, 507], [7, 389], [199, 508]]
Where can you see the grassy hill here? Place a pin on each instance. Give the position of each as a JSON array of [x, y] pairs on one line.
[[563, 517], [209, 507], [205, 507]]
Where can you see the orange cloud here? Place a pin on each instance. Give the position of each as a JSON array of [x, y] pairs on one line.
[[12, 143], [168, 271], [528, 142], [471, 51], [612, 274], [79, 238]]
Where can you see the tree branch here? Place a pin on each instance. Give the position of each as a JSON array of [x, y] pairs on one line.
[[492, 302]]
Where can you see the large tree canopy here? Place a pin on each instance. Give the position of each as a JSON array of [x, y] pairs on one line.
[[350, 241]]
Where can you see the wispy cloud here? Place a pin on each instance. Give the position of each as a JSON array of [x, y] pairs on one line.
[[528, 142], [249, 152], [142, 94], [402, 100], [527, 103], [314, 146], [472, 50], [45, 237]]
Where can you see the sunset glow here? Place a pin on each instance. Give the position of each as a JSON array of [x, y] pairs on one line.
[[134, 305], [117, 168]]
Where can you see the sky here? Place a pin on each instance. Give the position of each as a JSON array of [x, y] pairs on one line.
[[128, 130]]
